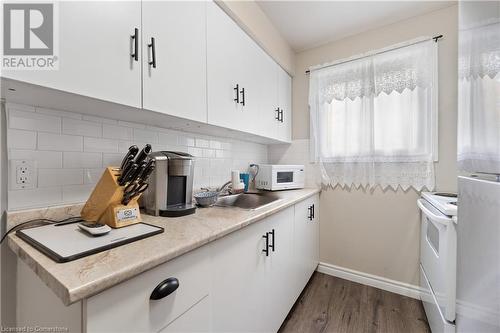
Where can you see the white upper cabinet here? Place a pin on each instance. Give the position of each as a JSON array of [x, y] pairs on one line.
[[284, 121], [95, 47], [228, 72], [187, 59], [174, 52]]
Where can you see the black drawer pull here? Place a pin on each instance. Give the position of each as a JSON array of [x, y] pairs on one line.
[[165, 288], [242, 96], [135, 37], [237, 90], [272, 239], [153, 53], [266, 250]]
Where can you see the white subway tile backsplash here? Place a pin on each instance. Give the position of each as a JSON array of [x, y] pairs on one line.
[[82, 160], [92, 176], [21, 107], [167, 138], [39, 197], [111, 159], [59, 113], [33, 121], [71, 162], [145, 135], [55, 177], [210, 153], [100, 145], [76, 193], [110, 131], [202, 143], [44, 159], [59, 142], [196, 152], [185, 141], [215, 144], [99, 119], [81, 127], [129, 124], [21, 139]]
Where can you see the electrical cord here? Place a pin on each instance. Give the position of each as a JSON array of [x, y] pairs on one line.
[[38, 223]]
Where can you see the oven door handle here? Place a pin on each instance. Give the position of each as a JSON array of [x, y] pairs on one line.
[[444, 220]]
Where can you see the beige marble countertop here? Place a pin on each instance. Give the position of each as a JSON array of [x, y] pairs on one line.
[[82, 278]]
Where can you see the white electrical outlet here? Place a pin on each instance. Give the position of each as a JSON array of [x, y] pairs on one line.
[[23, 174]]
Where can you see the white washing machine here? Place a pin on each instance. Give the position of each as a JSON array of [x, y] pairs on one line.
[[438, 259]]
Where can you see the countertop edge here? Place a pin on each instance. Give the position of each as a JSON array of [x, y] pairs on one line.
[[70, 296]]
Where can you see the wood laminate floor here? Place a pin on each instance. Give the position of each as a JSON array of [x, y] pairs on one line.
[[331, 304]]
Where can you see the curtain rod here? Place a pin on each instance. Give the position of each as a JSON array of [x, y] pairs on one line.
[[436, 38]]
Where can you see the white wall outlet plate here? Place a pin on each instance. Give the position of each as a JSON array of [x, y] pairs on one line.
[[23, 174]]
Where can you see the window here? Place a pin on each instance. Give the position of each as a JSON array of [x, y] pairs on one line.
[[374, 119]]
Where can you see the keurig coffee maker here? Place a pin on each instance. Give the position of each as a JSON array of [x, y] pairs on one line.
[[170, 188]]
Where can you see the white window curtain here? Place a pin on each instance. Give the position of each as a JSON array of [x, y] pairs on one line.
[[374, 118], [479, 97]]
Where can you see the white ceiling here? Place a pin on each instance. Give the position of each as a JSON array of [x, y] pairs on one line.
[[307, 24]]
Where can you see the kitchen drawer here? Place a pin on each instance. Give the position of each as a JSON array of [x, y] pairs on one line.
[[196, 319], [127, 307], [435, 318]]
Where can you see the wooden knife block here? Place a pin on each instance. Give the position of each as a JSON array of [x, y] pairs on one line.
[[104, 204]]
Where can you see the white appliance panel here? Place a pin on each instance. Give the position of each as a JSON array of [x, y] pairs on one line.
[[478, 267]]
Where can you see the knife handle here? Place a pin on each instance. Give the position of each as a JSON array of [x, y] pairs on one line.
[[143, 154], [132, 151]]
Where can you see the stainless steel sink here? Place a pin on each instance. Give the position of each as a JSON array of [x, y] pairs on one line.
[[248, 201]]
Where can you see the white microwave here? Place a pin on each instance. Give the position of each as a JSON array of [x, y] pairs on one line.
[[275, 177]]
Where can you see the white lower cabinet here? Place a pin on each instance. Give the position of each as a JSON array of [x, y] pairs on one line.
[[246, 281], [127, 307], [306, 236]]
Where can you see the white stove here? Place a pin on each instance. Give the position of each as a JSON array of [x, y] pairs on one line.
[[438, 257], [446, 203]]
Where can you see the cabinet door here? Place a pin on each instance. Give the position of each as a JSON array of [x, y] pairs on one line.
[[239, 281], [281, 292], [226, 61], [268, 97], [284, 131], [95, 47], [306, 240], [176, 84]]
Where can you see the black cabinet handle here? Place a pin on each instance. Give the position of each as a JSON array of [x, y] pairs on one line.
[[243, 96], [153, 52], [237, 90], [281, 115], [135, 37], [266, 250], [313, 212], [310, 216], [277, 110], [165, 288], [272, 238]]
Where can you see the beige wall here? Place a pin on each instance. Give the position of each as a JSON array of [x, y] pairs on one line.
[[377, 232], [253, 20]]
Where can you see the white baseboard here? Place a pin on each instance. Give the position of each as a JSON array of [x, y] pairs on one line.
[[379, 282]]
